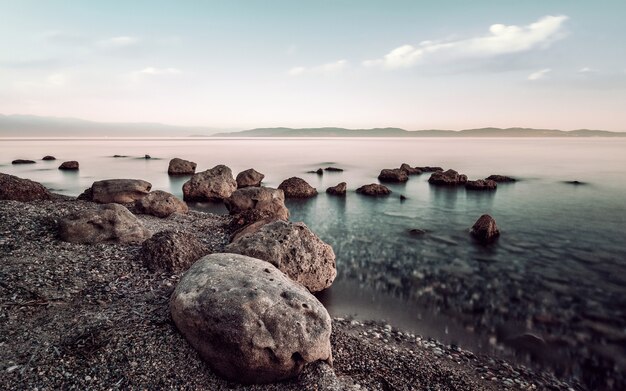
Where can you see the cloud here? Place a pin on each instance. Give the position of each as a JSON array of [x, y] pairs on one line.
[[539, 74], [119, 42], [324, 69], [57, 79], [500, 40], [159, 71], [587, 71]]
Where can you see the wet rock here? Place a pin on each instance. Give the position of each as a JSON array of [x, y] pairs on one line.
[[295, 187], [249, 321], [215, 184], [374, 189], [116, 156], [393, 175], [575, 183], [107, 224], [417, 232], [319, 171], [501, 178], [48, 157], [293, 249], [249, 178], [181, 167], [447, 178], [485, 229], [339, 190], [160, 204], [429, 169], [23, 161], [121, 191], [147, 157], [402, 197], [266, 200], [171, 251], [333, 169], [410, 170], [481, 184], [69, 165], [19, 189]]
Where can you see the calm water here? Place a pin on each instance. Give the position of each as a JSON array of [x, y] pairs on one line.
[[558, 271]]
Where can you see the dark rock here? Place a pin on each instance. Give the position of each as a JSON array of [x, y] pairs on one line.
[[295, 187], [293, 249], [69, 165], [485, 229], [373, 189], [333, 169], [501, 178], [249, 178], [481, 184], [393, 175], [181, 167], [110, 223], [429, 169], [18, 189], [160, 204], [417, 232], [319, 171], [270, 202], [48, 157], [249, 321], [402, 197], [339, 190], [215, 184], [447, 178], [121, 191], [410, 170], [575, 183], [147, 157], [23, 161], [120, 156], [171, 251]]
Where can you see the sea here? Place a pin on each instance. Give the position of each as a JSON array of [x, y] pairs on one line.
[[550, 292]]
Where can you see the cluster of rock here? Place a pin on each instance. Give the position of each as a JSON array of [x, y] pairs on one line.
[[447, 178]]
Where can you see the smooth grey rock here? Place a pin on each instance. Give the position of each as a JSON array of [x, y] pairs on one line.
[[121, 191], [447, 178], [393, 175], [339, 190], [248, 320], [485, 229], [374, 189], [295, 187], [19, 189], [171, 251], [181, 167], [214, 184], [161, 204], [249, 178]]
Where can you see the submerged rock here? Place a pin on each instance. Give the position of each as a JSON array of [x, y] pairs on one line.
[[147, 157], [23, 161], [121, 191], [248, 320], [417, 232], [481, 184], [333, 169], [295, 187], [161, 204], [410, 170], [181, 167], [110, 223], [485, 229], [575, 183], [374, 189], [501, 178], [171, 251], [393, 175], [19, 189], [293, 249], [48, 157], [447, 178], [249, 178], [215, 184], [69, 165], [339, 190], [266, 200]]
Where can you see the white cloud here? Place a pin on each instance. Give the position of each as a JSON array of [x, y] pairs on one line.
[[324, 69], [119, 42], [502, 39], [159, 71], [539, 74], [587, 70], [57, 79]]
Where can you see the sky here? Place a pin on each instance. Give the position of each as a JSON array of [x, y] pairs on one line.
[[358, 64]]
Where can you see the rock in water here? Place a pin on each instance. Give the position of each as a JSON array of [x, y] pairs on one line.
[[181, 167], [107, 224], [249, 178], [485, 229], [393, 175], [410, 170], [23, 161], [160, 204], [121, 191], [339, 190], [69, 165], [373, 189], [48, 157], [501, 178], [333, 169], [171, 251], [249, 321], [293, 249], [18, 189], [215, 184], [295, 187], [429, 169], [481, 184], [447, 178], [268, 201]]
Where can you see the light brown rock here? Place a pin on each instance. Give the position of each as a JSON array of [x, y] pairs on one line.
[[179, 166], [485, 229], [121, 191], [339, 190], [269, 201], [171, 251], [295, 187], [19, 189], [215, 184], [248, 178], [161, 204], [374, 189]]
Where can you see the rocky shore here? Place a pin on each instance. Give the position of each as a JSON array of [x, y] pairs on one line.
[[92, 316]]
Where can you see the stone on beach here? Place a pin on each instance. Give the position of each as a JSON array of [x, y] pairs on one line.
[[19, 189], [249, 178], [110, 223], [293, 249], [295, 187], [181, 167], [215, 184], [268, 201], [501, 178], [48, 157], [485, 229], [121, 191], [248, 320], [339, 190], [171, 251], [373, 189], [69, 165], [23, 161], [481, 184], [410, 170], [160, 204], [393, 175], [447, 178]]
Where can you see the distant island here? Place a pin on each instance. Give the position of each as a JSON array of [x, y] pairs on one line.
[[40, 126]]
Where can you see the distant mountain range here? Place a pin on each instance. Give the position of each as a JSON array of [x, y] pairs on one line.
[[38, 126]]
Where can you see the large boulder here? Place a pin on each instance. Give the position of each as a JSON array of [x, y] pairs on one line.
[[295, 187], [248, 320], [481, 184], [485, 229], [69, 165], [215, 184], [447, 178], [269, 201], [248, 178], [410, 170], [23, 161], [293, 249], [181, 167], [110, 223], [19, 189], [160, 204], [393, 175], [121, 191], [374, 189], [501, 178], [339, 190], [171, 251]]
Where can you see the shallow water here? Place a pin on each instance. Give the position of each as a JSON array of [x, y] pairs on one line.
[[558, 269]]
